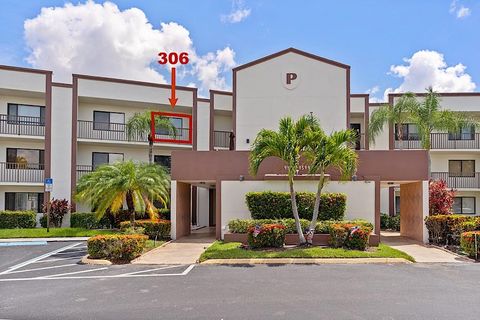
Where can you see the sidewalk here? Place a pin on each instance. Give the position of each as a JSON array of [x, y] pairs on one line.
[[186, 250], [419, 251]]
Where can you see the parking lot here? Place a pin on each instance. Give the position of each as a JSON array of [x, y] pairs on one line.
[[61, 261]]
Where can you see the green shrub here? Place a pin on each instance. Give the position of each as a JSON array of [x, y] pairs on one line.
[[266, 236], [388, 222], [322, 227], [43, 221], [164, 214], [88, 220], [446, 229], [277, 205], [116, 247], [17, 219], [350, 236], [159, 229], [469, 244]]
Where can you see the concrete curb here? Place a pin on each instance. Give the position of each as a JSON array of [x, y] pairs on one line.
[[98, 262], [306, 261], [53, 239]]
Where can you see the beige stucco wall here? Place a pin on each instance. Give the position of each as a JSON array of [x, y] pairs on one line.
[[262, 99], [360, 197], [6, 99], [456, 103], [25, 81], [414, 209], [203, 126], [381, 141], [222, 122], [357, 104], [439, 160], [222, 102], [19, 143]]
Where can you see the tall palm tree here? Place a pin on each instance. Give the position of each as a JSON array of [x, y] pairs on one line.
[[330, 152], [397, 114], [288, 145], [136, 185], [140, 126]]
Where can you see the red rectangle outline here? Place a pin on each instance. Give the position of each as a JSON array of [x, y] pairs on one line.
[[171, 114]]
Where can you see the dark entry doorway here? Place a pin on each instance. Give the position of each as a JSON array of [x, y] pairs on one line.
[[212, 205], [357, 128]]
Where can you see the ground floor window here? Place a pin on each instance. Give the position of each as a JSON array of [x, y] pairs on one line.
[[397, 205], [17, 201], [164, 161], [464, 205]]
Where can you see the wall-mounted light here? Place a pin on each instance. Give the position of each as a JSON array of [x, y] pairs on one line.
[[248, 140]]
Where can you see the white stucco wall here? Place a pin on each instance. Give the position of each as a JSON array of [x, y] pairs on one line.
[[202, 207], [357, 104], [19, 143], [360, 197], [6, 99], [61, 142], [203, 126], [381, 141], [262, 99], [223, 122], [173, 209], [456, 103], [222, 102], [26, 81], [384, 200], [439, 160]]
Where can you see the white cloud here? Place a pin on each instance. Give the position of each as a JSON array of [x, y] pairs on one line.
[[459, 11], [238, 12], [101, 39], [428, 68], [372, 92]]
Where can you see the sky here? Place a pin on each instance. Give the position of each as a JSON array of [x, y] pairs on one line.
[[391, 46]]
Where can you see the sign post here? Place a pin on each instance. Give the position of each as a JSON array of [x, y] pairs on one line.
[[48, 189]]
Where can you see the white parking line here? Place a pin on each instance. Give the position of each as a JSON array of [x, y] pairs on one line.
[[45, 268], [59, 259], [70, 273], [46, 255], [149, 270]]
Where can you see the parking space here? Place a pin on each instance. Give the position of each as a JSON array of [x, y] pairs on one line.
[[61, 262]]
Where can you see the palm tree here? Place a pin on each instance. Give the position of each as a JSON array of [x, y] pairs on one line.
[[396, 114], [287, 144], [326, 153], [112, 185], [140, 125]]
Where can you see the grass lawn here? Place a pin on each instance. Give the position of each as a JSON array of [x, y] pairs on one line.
[[54, 232], [232, 250]]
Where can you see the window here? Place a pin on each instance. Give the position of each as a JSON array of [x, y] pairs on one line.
[[24, 201], [466, 133], [26, 114], [461, 168], [464, 205], [164, 161], [25, 158], [99, 158], [410, 132], [112, 121], [397, 205], [176, 122]]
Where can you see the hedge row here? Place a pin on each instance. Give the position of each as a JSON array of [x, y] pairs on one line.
[[278, 205], [388, 222], [350, 236], [121, 248], [322, 227], [470, 243], [17, 219], [447, 229], [88, 220], [266, 236], [154, 229]]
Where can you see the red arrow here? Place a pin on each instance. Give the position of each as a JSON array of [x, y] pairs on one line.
[[172, 99]]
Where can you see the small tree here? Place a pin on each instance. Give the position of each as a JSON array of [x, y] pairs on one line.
[[440, 198], [58, 209]]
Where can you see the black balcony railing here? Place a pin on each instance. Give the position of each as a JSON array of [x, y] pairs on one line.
[[441, 141], [95, 130], [221, 139], [21, 172], [19, 125], [459, 180], [83, 169]]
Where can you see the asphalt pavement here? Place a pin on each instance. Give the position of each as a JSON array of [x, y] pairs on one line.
[[400, 291]]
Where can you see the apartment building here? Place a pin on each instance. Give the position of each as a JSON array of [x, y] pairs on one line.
[[64, 130]]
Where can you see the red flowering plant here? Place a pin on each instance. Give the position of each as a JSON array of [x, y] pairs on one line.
[[266, 236], [58, 209], [440, 198]]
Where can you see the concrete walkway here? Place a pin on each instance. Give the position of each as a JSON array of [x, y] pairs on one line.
[[419, 251], [185, 250]]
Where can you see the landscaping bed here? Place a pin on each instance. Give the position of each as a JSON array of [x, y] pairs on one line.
[[234, 250], [54, 232]]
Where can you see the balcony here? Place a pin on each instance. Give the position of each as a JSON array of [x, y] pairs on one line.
[[221, 139], [442, 141], [22, 126], [21, 172], [83, 169], [107, 131], [459, 181]]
